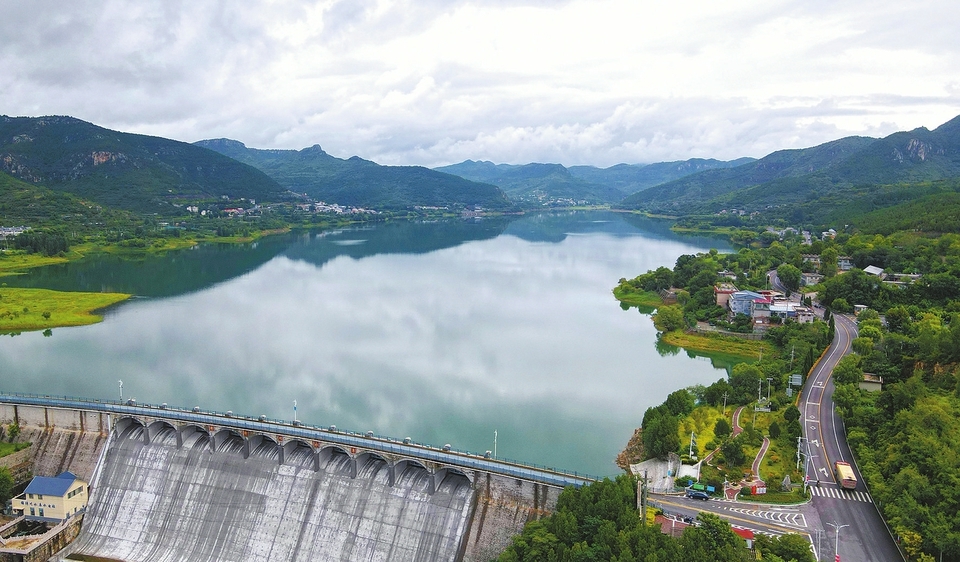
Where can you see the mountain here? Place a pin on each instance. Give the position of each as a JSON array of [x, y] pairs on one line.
[[123, 170], [553, 183], [359, 182], [812, 179], [692, 192], [630, 178], [536, 184]]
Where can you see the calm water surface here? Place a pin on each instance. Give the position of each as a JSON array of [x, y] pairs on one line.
[[444, 332]]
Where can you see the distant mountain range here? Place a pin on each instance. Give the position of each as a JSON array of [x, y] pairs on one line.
[[123, 170], [61, 168], [359, 182], [540, 184], [829, 174]]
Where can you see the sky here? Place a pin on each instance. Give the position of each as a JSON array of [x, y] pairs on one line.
[[435, 82]]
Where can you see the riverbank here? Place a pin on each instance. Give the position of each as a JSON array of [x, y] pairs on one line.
[[649, 301], [24, 310]]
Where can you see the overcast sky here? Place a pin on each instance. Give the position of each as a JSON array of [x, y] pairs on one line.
[[435, 82]]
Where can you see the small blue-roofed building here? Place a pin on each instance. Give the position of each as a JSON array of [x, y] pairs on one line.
[[52, 499]]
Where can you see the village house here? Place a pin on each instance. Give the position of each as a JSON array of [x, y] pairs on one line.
[[722, 293]]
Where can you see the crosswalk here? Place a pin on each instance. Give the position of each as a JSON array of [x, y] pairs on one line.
[[836, 493]]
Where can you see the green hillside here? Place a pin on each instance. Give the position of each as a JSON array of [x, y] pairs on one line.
[[359, 182], [714, 189], [805, 184], [123, 170], [25, 204]]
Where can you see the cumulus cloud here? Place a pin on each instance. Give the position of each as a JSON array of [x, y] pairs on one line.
[[435, 81]]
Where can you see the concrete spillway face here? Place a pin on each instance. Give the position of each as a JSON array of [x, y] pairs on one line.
[[171, 496]]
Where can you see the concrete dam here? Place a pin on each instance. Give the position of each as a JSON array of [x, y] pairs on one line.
[[170, 490]]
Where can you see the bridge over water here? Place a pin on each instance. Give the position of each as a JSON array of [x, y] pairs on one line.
[[171, 484]]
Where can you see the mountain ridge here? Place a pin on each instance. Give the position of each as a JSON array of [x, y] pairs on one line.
[[358, 182], [123, 170]]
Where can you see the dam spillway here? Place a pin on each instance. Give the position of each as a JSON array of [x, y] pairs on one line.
[[190, 497]]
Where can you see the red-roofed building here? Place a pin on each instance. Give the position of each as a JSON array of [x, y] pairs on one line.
[[745, 534]]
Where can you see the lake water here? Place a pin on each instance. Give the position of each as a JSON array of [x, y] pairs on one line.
[[445, 332]]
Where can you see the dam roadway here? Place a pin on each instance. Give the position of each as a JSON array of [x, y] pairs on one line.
[[176, 485], [451, 457]]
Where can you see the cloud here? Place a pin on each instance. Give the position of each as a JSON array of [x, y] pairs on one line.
[[434, 82]]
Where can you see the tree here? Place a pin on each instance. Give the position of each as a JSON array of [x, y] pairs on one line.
[[774, 430], [790, 276], [848, 370], [6, 485], [745, 380], [679, 402], [13, 431], [669, 318], [862, 345], [722, 428], [732, 451], [828, 261], [791, 547], [713, 394]]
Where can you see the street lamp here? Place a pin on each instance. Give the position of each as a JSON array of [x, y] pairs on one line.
[[494, 443], [836, 545], [121, 390]]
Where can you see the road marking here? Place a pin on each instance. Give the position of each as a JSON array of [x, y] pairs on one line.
[[787, 518], [835, 493]]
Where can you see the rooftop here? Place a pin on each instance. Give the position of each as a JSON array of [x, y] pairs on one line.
[[47, 486]]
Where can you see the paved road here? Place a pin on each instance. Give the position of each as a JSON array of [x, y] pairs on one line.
[[866, 537]]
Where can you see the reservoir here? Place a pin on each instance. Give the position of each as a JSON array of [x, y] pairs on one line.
[[497, 333]]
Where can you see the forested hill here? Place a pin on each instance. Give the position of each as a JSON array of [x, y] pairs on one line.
[[544, 183], [359, 182], [828, 173], [123, 170]]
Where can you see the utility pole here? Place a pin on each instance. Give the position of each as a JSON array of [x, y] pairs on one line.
[[724, 403], [294, 412], [494, 443], [836, 545]]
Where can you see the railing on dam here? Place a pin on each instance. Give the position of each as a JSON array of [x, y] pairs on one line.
[[445, 455]]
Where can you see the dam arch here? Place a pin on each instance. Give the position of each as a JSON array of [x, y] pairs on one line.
[[192, 435], [127, 425], [228, 441], [297, 452]]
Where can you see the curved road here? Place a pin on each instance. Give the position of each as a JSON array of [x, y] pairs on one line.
[[864, 536]]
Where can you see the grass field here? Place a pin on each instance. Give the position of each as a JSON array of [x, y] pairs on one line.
[[11, 448], [24, 310], [13, 262], [716, 343]]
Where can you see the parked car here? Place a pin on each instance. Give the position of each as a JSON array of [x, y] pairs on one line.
[[698, 495]]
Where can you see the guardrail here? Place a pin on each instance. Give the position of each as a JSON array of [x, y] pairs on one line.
[[443, 455]]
